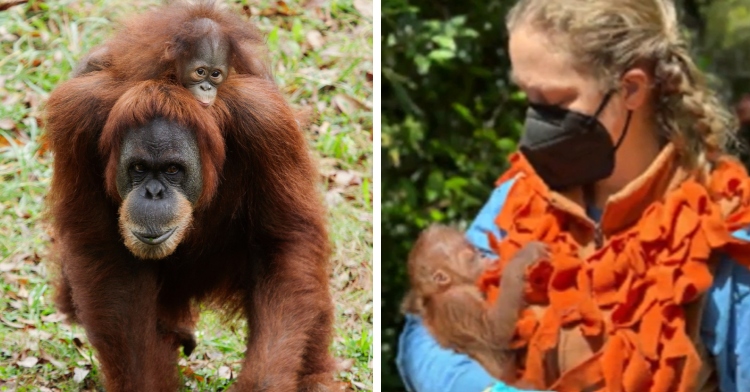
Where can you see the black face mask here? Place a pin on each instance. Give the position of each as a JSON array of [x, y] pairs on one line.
[[567, 148]]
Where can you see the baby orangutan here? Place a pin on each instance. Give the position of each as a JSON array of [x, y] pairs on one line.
[[195, 44], [443, 268]]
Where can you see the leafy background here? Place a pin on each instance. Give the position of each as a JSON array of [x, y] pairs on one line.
[[322, 57], [450, 117]]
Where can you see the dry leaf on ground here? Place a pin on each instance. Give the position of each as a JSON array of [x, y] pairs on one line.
[[333, 197], [79, 375], [315, 39], [28, 362], [364, 7], [225, 372], [54, 318], [347, 178], [348, 104], [7, 124]]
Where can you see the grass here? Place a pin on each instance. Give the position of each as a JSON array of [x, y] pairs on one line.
[[322, 54]]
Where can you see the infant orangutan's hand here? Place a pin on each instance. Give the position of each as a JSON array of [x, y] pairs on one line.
[[528, 255]]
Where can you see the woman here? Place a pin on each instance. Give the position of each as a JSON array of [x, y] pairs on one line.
[[622, 171]]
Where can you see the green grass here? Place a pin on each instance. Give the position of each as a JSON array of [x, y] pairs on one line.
[[322, 57]]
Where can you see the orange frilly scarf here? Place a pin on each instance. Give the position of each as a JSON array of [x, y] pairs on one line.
[[641, 277]]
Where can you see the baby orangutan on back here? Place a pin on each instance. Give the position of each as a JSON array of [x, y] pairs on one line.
[[443, 268]]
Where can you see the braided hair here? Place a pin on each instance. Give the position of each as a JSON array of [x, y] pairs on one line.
[[607, 38]]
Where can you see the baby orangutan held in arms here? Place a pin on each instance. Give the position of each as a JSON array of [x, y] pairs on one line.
[[443, 269]]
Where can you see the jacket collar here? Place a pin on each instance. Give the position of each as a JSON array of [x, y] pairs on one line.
[[626, 206]]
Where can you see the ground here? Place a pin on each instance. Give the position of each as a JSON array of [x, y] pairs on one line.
[[322, 52]]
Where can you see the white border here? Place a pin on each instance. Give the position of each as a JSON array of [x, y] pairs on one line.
[[376, 276]]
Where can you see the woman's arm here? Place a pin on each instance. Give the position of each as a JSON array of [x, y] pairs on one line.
[[426, 367], [739, 338], [484, 223], [741, 326], [726, 319], [423, 364]]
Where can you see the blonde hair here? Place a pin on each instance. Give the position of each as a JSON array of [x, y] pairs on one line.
[[606, 38]]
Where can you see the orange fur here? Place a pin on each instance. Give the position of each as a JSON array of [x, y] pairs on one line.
[[258, 245]]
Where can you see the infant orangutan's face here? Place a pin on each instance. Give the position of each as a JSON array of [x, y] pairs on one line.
[[470, 262]]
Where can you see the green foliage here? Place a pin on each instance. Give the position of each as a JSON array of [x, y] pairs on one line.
[[725, 43], [449, 120], [724, 48]]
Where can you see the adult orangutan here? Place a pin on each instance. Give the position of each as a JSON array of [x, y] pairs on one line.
[[443, 270], [159, 203]]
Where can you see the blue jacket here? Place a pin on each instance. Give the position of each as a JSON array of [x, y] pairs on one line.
[[725, 328]]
